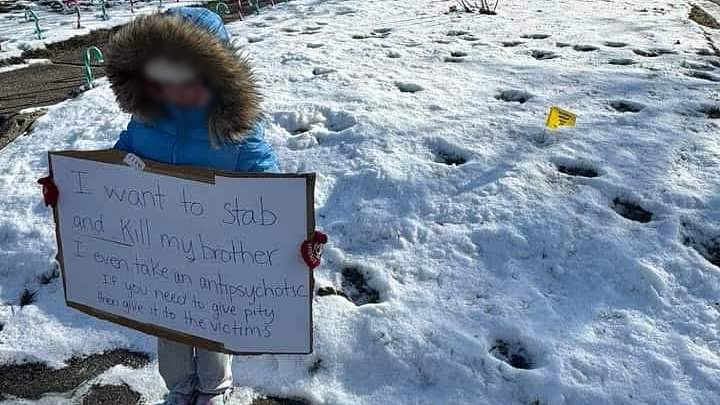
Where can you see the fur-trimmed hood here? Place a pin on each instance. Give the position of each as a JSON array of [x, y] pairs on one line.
[[198, 38]]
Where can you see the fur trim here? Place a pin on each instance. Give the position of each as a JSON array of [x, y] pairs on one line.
[[236, 99]]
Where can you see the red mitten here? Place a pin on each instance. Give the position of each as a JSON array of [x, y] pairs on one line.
[[311, 249], [49, 190]]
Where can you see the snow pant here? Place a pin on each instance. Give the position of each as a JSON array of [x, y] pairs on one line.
[[186, 369]]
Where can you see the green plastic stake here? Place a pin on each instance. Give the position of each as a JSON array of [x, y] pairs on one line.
[[103, 9], [31, 16], [225, 9], [91, 53]]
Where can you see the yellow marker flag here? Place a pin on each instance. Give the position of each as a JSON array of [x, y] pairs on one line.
[[557, 117]]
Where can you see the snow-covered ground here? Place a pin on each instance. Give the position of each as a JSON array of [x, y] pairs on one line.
[[18, 34], [504, 257]]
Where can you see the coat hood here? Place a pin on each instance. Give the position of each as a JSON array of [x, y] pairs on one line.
[[197, 37]]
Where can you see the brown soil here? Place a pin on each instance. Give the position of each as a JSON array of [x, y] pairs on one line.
[[111, 395], [33, 380]]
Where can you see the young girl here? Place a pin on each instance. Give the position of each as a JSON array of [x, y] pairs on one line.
[[193, 102]]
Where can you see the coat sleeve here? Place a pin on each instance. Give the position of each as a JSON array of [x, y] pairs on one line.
[[124, 143], [256, 155]]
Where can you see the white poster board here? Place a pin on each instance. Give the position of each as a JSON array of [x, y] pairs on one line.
[[203, 257]]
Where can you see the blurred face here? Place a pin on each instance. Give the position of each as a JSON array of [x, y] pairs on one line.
[[187, 94]]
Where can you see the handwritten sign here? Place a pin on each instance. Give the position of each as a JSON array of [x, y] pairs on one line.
[[203, 257]]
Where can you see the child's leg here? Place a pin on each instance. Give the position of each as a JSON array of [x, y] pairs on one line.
[[214, 371], [177, 366]]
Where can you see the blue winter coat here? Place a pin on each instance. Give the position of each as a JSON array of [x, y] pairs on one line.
[[180, 136], [182, 139]]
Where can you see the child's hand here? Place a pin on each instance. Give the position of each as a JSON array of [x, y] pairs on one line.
[[311, 249], [49, 190]]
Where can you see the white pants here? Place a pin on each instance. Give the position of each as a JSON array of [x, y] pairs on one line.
[[186, 369]]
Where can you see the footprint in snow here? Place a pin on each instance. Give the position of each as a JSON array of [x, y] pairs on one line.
[[355, 288], [316, 120], [310, 30], [710, 111], [714, 62], [613, 44], [622, 61], [543, 55], [345, 11], [577, 170], [321, 71], [273, 400], [253, 40], [393, 54], [705, 242], [289, 30], [457, 33], [315, 45], [517, 96], [654, 52], [631, 210], [585, 48], [513, 353], [456, 57], [705, 52], [703, 75], [412, 44], [447, 153], [562, 44], [535, 36], [625, 106], [470, 38], [697, 66], [511, 44], [406, 87]]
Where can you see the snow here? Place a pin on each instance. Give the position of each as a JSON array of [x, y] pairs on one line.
[[503, 247], [18, 34]]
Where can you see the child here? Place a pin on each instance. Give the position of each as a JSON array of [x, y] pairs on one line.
[[194, 102]]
